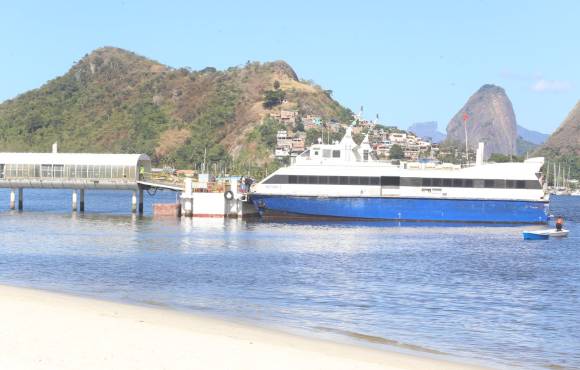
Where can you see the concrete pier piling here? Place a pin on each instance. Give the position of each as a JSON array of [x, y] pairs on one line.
[[12, 199], [20, 199], [74, 201], [134, 202], [140, 200], [82, 200]]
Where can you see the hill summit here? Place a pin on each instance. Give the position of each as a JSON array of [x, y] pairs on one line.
[[491, 119], [114, 100]]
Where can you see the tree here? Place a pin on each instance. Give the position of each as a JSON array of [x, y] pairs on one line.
[[273, 98], [396, 152], [299, 126], [276, 85]]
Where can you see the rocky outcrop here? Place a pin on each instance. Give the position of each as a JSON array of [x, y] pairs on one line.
[[491, 120]]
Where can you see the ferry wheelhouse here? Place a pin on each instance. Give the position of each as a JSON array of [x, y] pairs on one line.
[[346, 180]]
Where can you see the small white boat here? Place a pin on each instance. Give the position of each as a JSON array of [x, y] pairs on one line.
[[545, 234]]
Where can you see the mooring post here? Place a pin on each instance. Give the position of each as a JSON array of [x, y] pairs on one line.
[[82, 200], [140, 200], [187, 197], [74, 200], [20, 199], [134, 202], [12, 199]]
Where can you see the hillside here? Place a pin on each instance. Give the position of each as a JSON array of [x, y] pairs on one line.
[[113, 100], [491, 119], [566, 139], [563, 145]]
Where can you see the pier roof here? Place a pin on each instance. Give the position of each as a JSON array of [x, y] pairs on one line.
[[73, 158]]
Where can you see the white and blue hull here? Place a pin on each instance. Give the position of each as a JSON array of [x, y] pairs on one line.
[[343, 180], [403, 209]]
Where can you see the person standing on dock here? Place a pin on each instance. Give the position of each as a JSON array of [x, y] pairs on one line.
[[243, 184], [559, 223], [141, 173]]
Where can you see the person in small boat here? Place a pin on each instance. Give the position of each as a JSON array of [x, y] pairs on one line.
[[559, 223]]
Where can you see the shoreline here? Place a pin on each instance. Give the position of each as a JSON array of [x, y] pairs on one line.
[[46, 330]]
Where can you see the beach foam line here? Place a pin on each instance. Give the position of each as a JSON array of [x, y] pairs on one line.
[[43, 330]]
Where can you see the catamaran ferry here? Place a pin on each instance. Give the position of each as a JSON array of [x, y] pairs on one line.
[[346, 180]]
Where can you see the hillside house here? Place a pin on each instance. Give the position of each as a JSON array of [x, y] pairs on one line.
[[288, 116], [298, 145]]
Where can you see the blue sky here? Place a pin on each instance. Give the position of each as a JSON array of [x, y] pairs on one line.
[[408, 61]]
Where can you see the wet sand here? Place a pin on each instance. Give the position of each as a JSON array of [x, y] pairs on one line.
[[43, 330]]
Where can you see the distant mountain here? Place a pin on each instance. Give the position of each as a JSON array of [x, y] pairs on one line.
[[565, 141], [427, 130], [113, 100], [524, 147], [531, 136], [491, 119]]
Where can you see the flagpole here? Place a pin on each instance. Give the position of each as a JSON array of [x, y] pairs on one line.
[[465, 117]]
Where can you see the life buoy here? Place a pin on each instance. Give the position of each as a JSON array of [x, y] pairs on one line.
[[229, 195]]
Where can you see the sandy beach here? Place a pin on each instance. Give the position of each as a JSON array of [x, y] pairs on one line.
[[43, 330]]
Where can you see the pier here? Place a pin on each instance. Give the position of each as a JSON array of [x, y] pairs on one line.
[[81, 172], [76, 171]]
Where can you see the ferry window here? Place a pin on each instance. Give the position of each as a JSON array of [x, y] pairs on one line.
[[316, 152], [436, 182], [326, 153], [447, 182], [457, 183], [336, 154], [468, 183], [364, 180], [353, 180], [510, 184], [390, 181], [533, 184], [343, 180], [292, 180], [323, 180], [1, 171], [411, 181], [520, 184], [303, 179], [500, 184], [426, 182], [313, 179], [375, 181], [488, 183], [333, 180]]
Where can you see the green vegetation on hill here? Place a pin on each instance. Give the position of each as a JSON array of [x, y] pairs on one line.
[[113, 100]]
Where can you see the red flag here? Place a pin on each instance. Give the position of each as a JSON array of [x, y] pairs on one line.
[[465, 117]]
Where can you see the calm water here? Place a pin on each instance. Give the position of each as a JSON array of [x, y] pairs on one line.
[[469, 291]]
